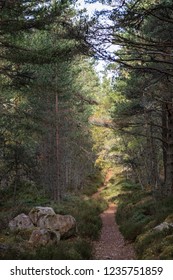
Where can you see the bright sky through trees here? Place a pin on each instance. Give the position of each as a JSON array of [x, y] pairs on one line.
[[91, 8]]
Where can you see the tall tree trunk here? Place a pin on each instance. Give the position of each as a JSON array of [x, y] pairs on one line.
[[169, 150], [155, 179], [151, 153], [164, 138], [57, 187]]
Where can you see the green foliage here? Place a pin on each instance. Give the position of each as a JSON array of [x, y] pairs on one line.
[[45, 97], [138, 213], [86, 212], [66, 250], [92, 183], [128, 185], [89, 220], [90, 189], [133, 216], [79, 249], [111, 192], [154, 245], [28, 195], [140, 89], [4, 219]]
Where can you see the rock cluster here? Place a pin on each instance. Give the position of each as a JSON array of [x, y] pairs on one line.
[[46, 226], [22, 221]]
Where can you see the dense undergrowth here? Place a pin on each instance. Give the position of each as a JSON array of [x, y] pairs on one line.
[[85, 210], [137, 215]]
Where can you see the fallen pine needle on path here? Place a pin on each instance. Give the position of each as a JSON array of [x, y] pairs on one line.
[[111, 244]]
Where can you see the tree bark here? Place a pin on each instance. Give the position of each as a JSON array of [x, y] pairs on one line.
[[169, 150], [164, 138], [57, 191]]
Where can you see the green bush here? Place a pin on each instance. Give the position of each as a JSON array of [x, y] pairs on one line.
[[129, 185], [4, 219], [86, 213], [85, 210], [90, 189], [88, 220], [138, 213], [133, 227], [65, 250]]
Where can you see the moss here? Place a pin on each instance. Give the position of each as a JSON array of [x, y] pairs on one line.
[[24, 234], [78, 249], [90, 190], [138, 213], [150, 225], [169, 219], [4, 219], [169, 239], [66, 250], [167, 253], [149, 243], [149, 254], [86, 213], [129, 185]]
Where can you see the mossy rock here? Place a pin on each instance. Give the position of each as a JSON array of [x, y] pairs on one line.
[[25, 233]]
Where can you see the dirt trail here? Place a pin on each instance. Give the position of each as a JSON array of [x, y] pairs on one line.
[[111, 244]]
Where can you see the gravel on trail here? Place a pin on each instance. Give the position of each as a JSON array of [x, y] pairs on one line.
[[111, 244]]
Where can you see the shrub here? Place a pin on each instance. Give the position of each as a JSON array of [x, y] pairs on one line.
[[138, 213], [86, 213], [65, 250], [85, 210]]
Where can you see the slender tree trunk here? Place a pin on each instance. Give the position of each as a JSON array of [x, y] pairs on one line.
[[164, 138], [57, 191], [137, 172], [151, 153], [16, 179], [169, 150], [154, 160]]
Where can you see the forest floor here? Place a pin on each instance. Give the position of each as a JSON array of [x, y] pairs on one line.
[[111, 244]]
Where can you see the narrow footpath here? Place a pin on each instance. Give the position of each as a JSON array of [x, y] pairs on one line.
[[111, 245]]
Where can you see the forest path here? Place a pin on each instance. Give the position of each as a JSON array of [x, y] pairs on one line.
[[111, 244]]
